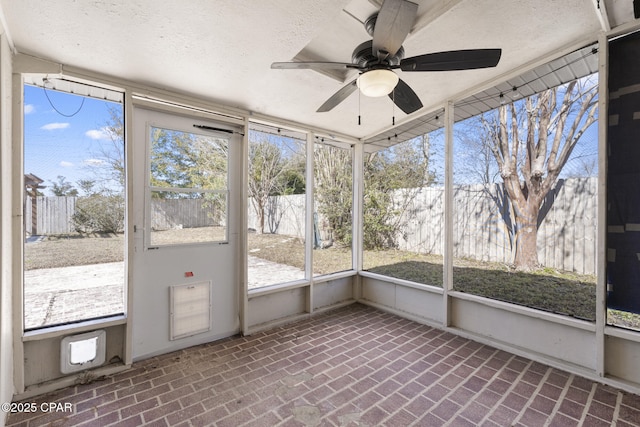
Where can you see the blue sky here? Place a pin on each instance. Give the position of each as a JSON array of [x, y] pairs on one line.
[[59, 145]]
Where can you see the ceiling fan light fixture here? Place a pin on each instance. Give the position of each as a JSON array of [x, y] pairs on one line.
[[375, 83]]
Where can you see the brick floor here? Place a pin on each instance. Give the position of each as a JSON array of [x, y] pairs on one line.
[[356, 366]]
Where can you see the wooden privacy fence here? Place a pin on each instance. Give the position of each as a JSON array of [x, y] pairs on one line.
[[283, 215], [483, 223], [49, 215], [484, 227], [186, 213], [482, 217], [52, 215]]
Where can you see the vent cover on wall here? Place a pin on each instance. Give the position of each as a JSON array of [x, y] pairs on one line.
[[190, 309]]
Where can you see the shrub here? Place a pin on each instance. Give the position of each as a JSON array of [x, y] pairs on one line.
[[99, 213]]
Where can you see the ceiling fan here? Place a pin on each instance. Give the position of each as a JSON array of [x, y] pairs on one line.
[[375, 59]]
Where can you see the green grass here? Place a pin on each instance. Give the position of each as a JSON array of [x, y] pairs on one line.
[[569, 294], [549, 290], [623, 318], [419, 268]]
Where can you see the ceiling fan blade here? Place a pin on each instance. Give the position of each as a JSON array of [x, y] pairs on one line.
[[313, 65], [394, 21], [405, 98], [453, 60], [338, 97]]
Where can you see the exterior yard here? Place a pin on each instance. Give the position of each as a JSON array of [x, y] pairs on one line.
[[546, 289]]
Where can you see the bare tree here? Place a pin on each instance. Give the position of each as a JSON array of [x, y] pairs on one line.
[[333, 170], [265, 168], [475, 156], [531, 145], [108, 167]]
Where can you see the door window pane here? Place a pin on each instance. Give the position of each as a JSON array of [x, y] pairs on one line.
[[188, 178]]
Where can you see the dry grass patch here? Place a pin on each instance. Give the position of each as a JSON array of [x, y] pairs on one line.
[[180, 236], [73, 249], [546, 289], [289, 250]]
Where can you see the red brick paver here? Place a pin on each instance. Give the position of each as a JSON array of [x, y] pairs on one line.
[[353, 366]]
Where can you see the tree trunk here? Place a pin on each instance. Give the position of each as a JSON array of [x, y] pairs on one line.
[[261, 220], [526, 256]]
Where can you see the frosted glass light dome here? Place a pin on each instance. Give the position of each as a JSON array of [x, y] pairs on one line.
[[376, 83]]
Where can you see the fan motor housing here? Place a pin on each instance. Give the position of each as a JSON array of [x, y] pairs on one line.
[[370, 24], [363, 56]]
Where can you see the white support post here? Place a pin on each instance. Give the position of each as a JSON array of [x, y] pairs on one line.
[[16, 174], [447, 284], [308, 241], [358, 192], [130, 225], [244, 230], [358, 220], [601, 238]]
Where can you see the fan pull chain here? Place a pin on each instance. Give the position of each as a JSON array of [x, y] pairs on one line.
[[359, 98], [393, 112]]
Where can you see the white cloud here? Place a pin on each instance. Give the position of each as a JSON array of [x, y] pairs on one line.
[[53, 126], [93, 162], [102, 133], [29, 108], [66, 164]]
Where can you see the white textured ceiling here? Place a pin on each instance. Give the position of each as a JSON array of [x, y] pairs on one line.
[[221, 50]]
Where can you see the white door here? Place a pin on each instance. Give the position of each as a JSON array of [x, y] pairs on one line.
[[186, 195]]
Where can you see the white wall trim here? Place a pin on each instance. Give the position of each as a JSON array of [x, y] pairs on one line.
[[7, 301], [17, 231], [74, 328], [526, 311], [625, 334]]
